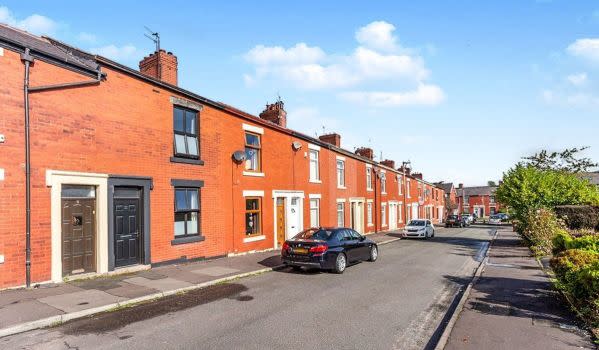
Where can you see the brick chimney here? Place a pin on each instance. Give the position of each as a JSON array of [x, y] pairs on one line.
[[461, 186], [333, 139], [405, 170], [160, 65], [365, 152], [417, 176], [275, 113], [389, 163]]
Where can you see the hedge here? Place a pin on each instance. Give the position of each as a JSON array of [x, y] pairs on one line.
[[579, 216]]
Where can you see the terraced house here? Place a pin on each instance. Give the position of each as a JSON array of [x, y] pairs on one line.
[[106, 168], [479, 200]]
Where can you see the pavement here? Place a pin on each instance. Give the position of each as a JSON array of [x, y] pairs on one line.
[[512, 305], [400, 301], [26, 309]]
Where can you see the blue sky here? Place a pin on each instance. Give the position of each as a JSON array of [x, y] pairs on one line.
[[463, 89]]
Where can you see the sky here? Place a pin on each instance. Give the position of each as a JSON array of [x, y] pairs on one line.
[[462, 89]]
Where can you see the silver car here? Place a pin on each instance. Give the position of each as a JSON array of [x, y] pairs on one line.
[[419, 228]]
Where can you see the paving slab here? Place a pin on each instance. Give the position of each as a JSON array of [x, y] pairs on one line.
[[130, 291], [216, 271], [86, 299], [16, 295], [163, 285], [25, 311]]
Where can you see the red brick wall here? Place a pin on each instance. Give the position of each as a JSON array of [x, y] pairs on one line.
[[124, 126]]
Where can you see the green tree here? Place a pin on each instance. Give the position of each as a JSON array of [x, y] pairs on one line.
[[527, 187], [566, 160]]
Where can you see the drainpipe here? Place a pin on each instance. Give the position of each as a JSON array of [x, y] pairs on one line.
[[376, 217], [28, 60]]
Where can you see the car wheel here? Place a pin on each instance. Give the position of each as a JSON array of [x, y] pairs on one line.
[[426, 235], [374, 253], [296, 268], [340, 263]]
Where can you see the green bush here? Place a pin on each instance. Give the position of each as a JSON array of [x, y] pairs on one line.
[[542, 226], [563, 241], [579, 216], [572, 260]]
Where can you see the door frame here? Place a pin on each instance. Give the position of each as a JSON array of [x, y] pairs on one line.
[[392, 224], [355, 201], [287, 195], [55, 179], [145, 185]]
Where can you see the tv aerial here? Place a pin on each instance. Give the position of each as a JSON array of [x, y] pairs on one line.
[[154, 36]]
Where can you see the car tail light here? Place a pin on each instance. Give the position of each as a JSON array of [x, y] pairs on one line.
[[319, 249], [285, 246]]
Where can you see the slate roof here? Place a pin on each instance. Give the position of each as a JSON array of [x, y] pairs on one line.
[[477, 191], [48, 47], [445, 186]]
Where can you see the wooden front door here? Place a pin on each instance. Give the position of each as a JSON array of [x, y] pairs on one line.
[[78, 236], [281, 224]]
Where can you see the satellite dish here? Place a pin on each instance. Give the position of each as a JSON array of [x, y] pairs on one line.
[[239, 157], [296, 145]]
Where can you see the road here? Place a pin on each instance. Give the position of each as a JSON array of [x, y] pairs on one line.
[[397, 302]]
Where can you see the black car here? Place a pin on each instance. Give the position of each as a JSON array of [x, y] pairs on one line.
[[455, 220], [328, 249]]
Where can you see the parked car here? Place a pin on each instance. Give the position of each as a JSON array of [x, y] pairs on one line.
[[454, 221], [469, 218], [419, 228], [495, 219], [328, 249], [504, 216]]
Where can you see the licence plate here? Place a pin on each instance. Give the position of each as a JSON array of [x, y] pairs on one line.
[[300, 250]]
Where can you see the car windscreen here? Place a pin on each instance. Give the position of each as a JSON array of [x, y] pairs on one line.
[[495, 217], [417, 223], [318, 234], [452, 217]]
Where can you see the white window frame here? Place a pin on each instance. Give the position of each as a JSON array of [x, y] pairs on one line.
[[400, 215], [408, 188], [383, 182], [314, 177], [369, 213], [369, 173], [399, 185], [340, 173], [317, 208], [340, 208]]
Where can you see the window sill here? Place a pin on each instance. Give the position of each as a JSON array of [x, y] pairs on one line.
[[341, 187], [385, 193], [254, 238], [190, 239], [369, 190], [370, 225], [252, 173], [315, 181], [187, 161]]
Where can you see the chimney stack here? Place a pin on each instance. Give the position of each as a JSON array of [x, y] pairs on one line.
[[365, 152], [333, 139], [417, 176], [405, 170], [275, 113], [461, 186], [388, 163], [160, 65]]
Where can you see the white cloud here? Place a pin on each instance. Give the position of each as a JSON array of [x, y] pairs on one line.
[[87, 38], [422, 95], [579, 100], [35, 24], [577, 79], [378, 35], [122, 53], [378, 59], [587, 48]]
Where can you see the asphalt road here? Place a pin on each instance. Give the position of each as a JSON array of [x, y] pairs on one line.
[[397, 302]]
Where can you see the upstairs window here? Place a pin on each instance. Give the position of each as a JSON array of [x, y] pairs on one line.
[[369, 178], [340, 173], [314, 173], [383, 183], [253, 150], [186, 132], [408, 188], [399, 185]]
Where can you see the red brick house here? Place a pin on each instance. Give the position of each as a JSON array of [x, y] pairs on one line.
[[450, 194], [106, 168], [479, 200]]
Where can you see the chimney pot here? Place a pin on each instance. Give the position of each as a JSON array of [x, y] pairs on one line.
[[365, 152]]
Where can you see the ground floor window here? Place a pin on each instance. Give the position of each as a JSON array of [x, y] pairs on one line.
[[493, 210], [253, 216], [400, 214], [384, 214], [340, 214], [314, 212], [369, 213], [187, 211]]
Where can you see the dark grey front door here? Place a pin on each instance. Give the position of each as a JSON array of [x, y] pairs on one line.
[[127, 226]]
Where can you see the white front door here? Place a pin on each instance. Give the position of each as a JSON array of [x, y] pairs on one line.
[[392, 216], [294, 219], [415, 211], [357, 216]]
